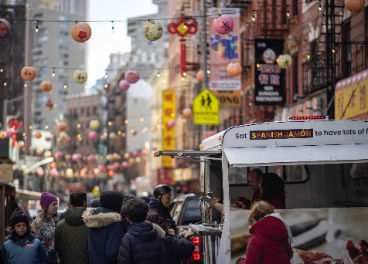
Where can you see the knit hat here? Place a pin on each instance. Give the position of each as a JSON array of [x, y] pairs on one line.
[[47, 199], [112, 200], [96, 203], [145, 198], [18, 216], [128, 197]]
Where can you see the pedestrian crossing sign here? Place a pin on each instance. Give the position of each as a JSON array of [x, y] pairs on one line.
[[206, 103]]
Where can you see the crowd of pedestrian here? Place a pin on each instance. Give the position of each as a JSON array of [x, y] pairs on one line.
[[118, 229]]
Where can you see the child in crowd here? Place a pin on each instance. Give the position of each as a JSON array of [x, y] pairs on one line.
[[22, 246], [142, 243]]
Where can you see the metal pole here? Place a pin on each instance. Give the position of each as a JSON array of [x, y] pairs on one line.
[[204, 46], [5, 108], [27, 90]]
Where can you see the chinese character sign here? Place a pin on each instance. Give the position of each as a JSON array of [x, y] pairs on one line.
[[350, 104], [223, 50], [269, 77], [168, 133]]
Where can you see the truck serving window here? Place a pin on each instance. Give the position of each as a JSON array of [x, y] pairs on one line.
[[289, 173], [192, 213]]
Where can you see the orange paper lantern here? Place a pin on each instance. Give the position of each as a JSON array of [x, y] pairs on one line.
[[234, 69], [81, 32], [20, 144], [354, 5], [28, 73], [154, 128], [199, 76], [38, 134], [187, 112], [62, 126], [3, 135], [46, 86]]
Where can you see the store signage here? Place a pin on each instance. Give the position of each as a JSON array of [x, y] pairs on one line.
[[269, 77], [168, 133], [205, 109], [228, 98], [223, 50], [281, 134]]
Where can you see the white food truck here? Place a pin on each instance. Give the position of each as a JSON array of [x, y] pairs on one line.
[[324, 165]]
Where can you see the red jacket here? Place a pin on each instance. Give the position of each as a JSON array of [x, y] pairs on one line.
[[265, 245], [278, 201]]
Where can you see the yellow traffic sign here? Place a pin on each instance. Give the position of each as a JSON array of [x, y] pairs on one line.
[[206, 103], [206, 119]]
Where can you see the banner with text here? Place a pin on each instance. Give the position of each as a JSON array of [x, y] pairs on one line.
[[269, 77], [168, 133], [223, 50]]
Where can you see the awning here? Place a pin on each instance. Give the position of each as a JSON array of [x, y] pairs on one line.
[[274, 156], [28, 195], [342, 84]]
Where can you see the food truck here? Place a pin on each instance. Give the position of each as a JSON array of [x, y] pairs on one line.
[[324, 166]]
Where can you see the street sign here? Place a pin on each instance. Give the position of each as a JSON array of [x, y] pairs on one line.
[[205, 108], [228, 98], [206, 103]]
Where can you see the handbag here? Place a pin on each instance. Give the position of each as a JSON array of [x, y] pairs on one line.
[[52, 256]]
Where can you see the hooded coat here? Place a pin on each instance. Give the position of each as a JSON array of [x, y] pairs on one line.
[[71, 237], [141, 245], [31, 252], [157, 207], [104, 235], [265, 245], [176, 247]]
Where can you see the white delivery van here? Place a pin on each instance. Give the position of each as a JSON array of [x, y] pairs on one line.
[[324, 165]]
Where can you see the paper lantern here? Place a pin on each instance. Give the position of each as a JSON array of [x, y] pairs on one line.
[[116, 156], [187, 112], [62, 126], [47, 138], [94, 124], [135, 153], [124, 85], [4, 28], [125, 164], [154, 128], [126, 156], [170, 123], [137, 159], [144, 152], [223, 24], [46, 86], [199, 76], [131, 160], [52, 165], [63, 136], [112, 135], [152, 30], [132, 76], [49, 104], [354, 5], [80, 76], [109, 157], [54, 172], [28, 73], [92, 135], [10, 132], [38, 134], [234, 69], [92, 157], [39, 151], [47, 154], [75, 157], [96, 171], [133, 132], [81, 32], [284, 61], [20, 144], [68, 139], [40, 171], [58, 155], [3, 135], [69, 173]]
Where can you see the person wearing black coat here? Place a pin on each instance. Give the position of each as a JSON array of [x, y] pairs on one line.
[[176, 247], [141, 244]]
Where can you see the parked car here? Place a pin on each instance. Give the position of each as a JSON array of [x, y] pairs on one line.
[[185, 210]]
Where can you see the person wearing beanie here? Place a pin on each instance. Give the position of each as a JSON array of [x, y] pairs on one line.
[[145, 198], [104, 229], [45, 223], [124, 222], [22, 244], [71, 232], [96, 203]]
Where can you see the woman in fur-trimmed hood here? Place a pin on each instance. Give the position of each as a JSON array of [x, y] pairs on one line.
[[104, 229]]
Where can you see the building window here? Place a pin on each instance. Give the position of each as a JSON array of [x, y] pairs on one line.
[[88, 113], [347, 50], [43, 39], [295, 7], [295, 74], [82, 111]]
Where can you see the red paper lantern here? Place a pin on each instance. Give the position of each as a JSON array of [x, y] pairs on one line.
[[4, 28], [62, 126]]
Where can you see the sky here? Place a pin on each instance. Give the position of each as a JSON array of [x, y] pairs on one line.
[[103, 42]]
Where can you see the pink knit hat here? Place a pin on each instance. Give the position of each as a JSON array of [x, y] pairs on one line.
[[47, 199]]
